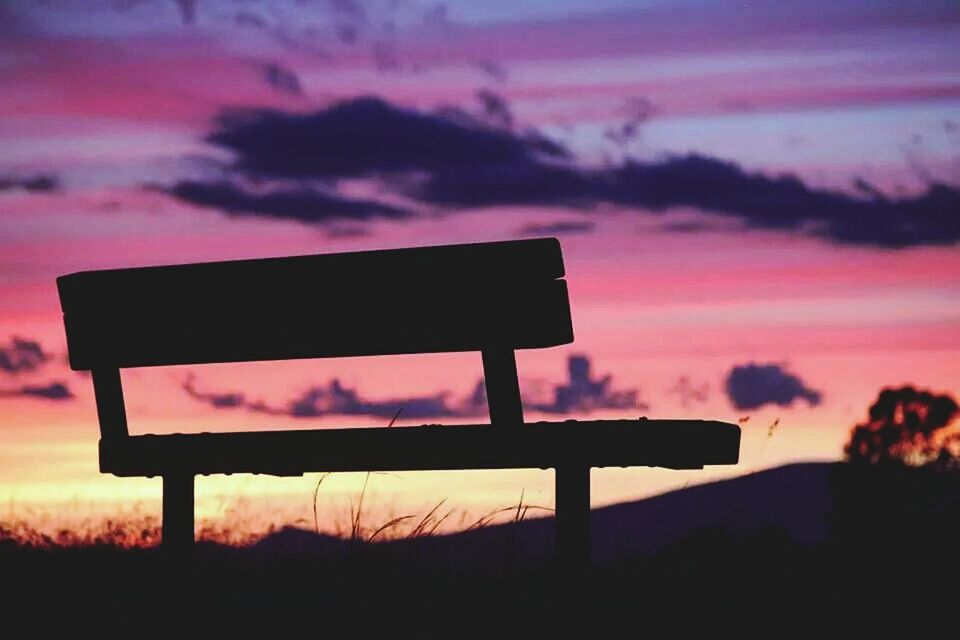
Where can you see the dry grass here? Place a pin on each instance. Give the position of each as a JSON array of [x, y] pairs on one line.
[[122, 534], [138, 530]]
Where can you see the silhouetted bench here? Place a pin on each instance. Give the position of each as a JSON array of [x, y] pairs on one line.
[[488, 297]]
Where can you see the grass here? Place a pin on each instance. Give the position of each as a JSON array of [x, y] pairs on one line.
[[888, 562]]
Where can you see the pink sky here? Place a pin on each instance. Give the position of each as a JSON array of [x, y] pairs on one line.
[[109, 102]]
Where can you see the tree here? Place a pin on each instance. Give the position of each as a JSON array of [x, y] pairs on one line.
[[907, 426]]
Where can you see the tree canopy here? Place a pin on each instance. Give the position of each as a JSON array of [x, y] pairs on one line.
[[907, 426]]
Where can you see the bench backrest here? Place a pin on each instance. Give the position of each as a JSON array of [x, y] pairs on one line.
[[473, 297]]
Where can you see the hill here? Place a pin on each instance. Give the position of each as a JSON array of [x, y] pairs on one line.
[[794, 498], [795, 550]]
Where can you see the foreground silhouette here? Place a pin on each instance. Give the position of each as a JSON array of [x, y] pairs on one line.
[[807, 550], [488, 297]]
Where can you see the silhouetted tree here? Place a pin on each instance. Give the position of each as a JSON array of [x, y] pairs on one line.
[[906, 426]]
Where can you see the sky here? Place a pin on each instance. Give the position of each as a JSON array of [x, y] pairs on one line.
[[758, 203]]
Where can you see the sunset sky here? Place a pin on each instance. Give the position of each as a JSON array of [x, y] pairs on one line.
[[758, 203]]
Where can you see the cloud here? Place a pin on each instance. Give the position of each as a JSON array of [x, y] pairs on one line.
[[216, 400], [753, 385], [584, 394], [56, 391], [21, 355], [557, 228], [282, 79], [335, 399], [303, 204], [695, 226], [450, 158], [41, 183], [757, 201], [580, 394], [368, 136]]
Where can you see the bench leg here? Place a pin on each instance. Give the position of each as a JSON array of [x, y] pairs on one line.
[[503, 387], [178, 513], [573, 518]]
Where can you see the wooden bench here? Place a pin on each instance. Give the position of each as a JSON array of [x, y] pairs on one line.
[[493, 298]]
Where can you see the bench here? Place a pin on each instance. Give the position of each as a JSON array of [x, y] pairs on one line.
[[492, 297]]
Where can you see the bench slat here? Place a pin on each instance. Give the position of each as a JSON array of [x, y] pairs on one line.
[[678, 444], [206, 286], [531, 316], [424, 300]]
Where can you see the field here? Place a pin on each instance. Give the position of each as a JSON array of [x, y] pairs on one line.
[[823, 547]]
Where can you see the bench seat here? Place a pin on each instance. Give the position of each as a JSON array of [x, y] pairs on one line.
[[675, 444]]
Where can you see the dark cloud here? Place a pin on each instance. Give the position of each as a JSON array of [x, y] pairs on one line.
[[334, 399], [368, 136], [216, 400], [56, 391], [782, 203], [584, 394], [693, 226], [303, 204], [33, 184], [752, 385], [580, 394], [282, 79], [21, 355], [458, 160], [557, 228]]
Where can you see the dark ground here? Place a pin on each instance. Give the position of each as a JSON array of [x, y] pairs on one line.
[[804, 550]]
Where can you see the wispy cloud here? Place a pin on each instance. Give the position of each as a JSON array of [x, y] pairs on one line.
[[304, 204], [53, 391], [40, 183], [566, 227], [580, 394], [282, 79], [336, 399], [22, 355]]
